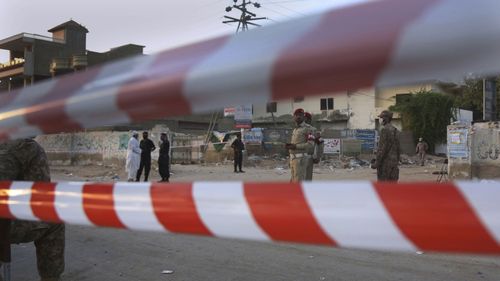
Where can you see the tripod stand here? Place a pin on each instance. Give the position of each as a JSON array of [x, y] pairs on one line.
[[443, 173]]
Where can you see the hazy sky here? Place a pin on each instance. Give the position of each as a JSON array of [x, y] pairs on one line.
[[157, 24]]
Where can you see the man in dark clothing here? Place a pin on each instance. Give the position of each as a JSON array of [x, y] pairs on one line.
[[164, 158], [238, 148], [388, 150], [25, 160], [147, 146]]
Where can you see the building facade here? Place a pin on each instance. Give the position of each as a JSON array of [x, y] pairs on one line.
[[34, 57]]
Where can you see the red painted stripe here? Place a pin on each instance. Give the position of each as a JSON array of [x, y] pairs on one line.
[[283, 213], [174, 207], [99, 206], [347, 50], [162, 94], [436, 217], [42, 201], [48, 113], [4, 198]]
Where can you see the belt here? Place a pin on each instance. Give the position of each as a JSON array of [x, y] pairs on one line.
[[299, 155]]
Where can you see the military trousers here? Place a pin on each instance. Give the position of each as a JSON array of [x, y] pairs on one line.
[[298, 168], [49, 243]]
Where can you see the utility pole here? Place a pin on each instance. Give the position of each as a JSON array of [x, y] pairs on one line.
[[246, 17]]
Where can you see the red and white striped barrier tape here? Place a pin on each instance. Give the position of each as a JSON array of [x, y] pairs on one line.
[[381, 43], [454, 217]]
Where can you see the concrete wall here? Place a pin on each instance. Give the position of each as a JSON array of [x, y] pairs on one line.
[[474, 151], [485, 150], [111, 147]]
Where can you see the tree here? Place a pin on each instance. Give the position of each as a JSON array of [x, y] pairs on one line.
[[426, 114], [469, 95]]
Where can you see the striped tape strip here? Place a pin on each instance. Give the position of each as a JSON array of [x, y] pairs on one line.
[[453, 217], [382, 43]]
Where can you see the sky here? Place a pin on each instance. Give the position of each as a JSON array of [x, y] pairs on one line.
[[156, 24]]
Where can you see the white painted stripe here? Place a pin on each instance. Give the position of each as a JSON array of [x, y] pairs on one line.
[[134, 207], [19, 200], [21, 129], [483, 198], [224, 210], [96, 103], [352, 214], [14, 114], [68, 203], [452, 39], [240, 72]]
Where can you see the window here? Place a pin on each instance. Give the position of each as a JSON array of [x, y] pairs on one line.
[[271, 107], [298, 99], [402, 98], [326, 104]]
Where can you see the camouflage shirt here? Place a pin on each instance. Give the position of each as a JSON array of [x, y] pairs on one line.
[[23, 160], [303, 138], [388, 153]]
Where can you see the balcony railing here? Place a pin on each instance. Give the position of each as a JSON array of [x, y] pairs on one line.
[[41, 37], [12, 63]]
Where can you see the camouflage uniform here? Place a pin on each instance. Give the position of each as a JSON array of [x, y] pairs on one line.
[[300, 157], [421, 150], [388, 154], [310, 160], [25, 160]]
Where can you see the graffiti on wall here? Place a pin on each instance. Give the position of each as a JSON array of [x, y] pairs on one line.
[[486, 144]]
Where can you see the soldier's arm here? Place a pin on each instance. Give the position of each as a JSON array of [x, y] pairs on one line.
[[382, 145], [34, 162]]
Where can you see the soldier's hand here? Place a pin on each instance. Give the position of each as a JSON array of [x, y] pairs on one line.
[[373, 164], [315, 161], [290, 146]]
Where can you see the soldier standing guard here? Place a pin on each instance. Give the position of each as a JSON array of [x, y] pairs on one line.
[[301, 147], [25, 160], [388, 150]]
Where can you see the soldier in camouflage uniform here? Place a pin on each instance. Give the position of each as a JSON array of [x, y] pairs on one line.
[[25, 160], [309, 170], [301, 147], [388, 150]]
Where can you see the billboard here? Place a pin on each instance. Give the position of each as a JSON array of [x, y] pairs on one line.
[[243, 116]]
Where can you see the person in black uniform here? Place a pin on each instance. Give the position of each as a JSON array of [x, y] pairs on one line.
[[164, 158], [238, 148], [147, 146]]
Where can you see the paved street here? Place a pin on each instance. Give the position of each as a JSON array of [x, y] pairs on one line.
[[108, 254]]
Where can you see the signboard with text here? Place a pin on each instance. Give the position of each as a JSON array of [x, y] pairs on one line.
[[243, 116], [331, 146]]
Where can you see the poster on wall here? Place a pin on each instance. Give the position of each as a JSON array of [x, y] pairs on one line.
[[457, 143], [254, 136], [243, 116], [331, 146]]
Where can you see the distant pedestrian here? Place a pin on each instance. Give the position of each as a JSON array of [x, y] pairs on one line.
[[421, 150], [133, 156], [300, 147], [388, 150], [147, 146], [238, 148], [164, 158]]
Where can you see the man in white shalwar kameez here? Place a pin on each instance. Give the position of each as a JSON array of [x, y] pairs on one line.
[[133, 156]]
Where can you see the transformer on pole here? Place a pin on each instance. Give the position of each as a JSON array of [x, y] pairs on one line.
[[246, 17]]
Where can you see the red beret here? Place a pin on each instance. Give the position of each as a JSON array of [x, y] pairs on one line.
[[308, 115], [298, 111]]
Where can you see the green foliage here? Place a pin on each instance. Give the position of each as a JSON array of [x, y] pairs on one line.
[[426, 114], [469, 95]]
